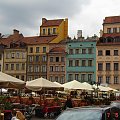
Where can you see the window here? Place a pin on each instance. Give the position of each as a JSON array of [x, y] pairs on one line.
[[30, 58], [48, 31], [22, 77], [83, 63], [43, 68], [17, 66], [82, 77], [116, 66], [90, 77], [57, 59], [107, 66], [62, 59], [30, 68], [23, 55], [76, 51], [44, 49], [70, 77], [51, 59], [0, 56], [6, 66], [62, 79], [54, 30], [90, 50], [56, 78], [83, 51], [36, 58], [100, 52], [108, 79], [12, 66], [44, 59], [23, 66], [89, 63], [7, 55], [56, 68], [114, 30], [116, 80], [17, 55], [51, 79], [70, 63], [107, 52], [37, 49], [36, 77], [100, 79], [100, 66], [31, 50], [70, 51], [30, 78], [76, 76], [44, 31], [62, 68], [115, 52], [76, 62], [36, 68], [17, 76], [51, 68], [108, 30], [12, 55]]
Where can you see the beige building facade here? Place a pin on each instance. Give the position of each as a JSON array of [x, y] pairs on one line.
[[108, 53]]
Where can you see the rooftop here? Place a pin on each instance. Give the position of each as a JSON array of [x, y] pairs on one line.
[[112, 19]]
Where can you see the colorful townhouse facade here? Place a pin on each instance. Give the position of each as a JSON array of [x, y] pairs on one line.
[[108, 53], [26, 57], [81, 60], [14, 55]]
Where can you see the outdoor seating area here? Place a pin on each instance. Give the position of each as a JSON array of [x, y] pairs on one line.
[[46, 99]]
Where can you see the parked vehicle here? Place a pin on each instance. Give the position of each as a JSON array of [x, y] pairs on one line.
[[91, 113]]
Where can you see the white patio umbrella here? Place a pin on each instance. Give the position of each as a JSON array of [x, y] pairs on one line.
[[101, 88], [41, 83], [7, 81], [58, 84], [87, 86], [74, 85]]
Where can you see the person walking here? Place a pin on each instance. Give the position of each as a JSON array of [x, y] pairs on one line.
[[68, 103]]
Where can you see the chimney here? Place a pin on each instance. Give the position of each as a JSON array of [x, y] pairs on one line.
[[15, 32], [79, 34], [44, 20]]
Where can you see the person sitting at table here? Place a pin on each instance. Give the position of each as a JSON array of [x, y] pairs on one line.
[[30, 101], [68, 103], [20, 115], [14, 115]]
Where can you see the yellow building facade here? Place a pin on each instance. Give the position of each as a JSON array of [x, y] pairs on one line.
[[58, 27]]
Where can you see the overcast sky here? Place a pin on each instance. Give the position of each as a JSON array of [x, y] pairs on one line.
[[26, 15]]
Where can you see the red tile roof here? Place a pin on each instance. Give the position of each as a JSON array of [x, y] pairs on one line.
[[56, 22], [57, 50], [112, 19], [38, 39], [28, 40]]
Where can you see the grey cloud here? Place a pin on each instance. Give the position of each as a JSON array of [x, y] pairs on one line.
[[27, 14]]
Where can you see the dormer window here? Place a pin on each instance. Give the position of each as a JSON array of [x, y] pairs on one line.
[[54, 30]]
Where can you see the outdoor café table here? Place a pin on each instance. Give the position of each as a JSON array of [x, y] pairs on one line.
[[52, 109]]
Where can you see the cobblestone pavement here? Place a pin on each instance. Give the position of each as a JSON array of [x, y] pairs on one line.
[[34, 118]]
